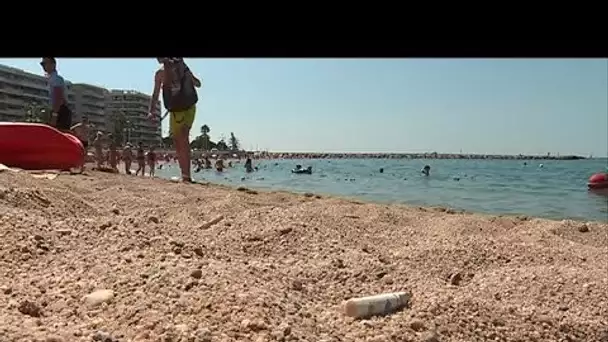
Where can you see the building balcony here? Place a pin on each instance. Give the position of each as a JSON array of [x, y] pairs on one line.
[[14, 114], [21, 81], [41, 97]]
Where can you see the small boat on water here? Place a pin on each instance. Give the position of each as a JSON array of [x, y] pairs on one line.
[[301, 171]]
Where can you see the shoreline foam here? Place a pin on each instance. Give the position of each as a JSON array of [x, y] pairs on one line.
[[277, 266]]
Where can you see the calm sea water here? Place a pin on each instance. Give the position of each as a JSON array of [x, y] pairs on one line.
[[557, 190]]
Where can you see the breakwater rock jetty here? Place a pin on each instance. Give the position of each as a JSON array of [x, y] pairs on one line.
[[318, 155]]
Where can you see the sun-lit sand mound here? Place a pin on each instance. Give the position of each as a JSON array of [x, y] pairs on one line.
[[113, 257]]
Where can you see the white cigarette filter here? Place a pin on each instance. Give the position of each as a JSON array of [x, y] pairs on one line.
[[376, 305]]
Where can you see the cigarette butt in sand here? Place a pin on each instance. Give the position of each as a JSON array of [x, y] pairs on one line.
[[376, 305], [210, 223]]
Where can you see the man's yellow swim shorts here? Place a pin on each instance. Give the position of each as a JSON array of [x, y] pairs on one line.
[[181, 119]]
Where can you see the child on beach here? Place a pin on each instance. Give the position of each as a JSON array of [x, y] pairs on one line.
[[141, 160], [152, 161], [127, 157], [98, 145]]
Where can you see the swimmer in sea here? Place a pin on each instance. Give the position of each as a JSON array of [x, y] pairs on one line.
[[151, 161], [219, 165], [141, 160], [426, 170], [127, 157]]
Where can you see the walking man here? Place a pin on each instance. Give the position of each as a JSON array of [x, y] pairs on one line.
[[179, 98], [61, 115]]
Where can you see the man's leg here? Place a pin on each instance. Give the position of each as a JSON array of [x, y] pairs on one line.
[[180, 123], [178, 148], [176, 127], [64, 119], [184, 157]]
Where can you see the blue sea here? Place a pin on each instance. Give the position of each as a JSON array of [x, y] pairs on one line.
[[557, 190]]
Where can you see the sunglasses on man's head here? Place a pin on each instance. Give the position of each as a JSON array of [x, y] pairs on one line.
[[46, 62]]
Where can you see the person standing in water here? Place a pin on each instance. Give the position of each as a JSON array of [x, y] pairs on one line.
[[178, 85], [248, 165], [61, 115]]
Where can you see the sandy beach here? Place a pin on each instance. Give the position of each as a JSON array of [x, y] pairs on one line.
[[109, 257]]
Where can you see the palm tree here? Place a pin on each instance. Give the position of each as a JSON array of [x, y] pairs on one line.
[[205, 130], [205, 136]]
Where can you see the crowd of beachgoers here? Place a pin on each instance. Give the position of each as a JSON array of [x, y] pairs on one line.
[[106, 155]]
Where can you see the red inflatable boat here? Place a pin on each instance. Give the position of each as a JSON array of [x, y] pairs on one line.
[[598, 181], [32, 146]]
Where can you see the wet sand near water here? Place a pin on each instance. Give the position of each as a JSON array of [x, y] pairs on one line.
[[108, 256]]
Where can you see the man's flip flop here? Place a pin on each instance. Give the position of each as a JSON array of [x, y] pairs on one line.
[[183, 180]]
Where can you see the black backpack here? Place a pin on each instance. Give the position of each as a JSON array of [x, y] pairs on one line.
[[185, 97]]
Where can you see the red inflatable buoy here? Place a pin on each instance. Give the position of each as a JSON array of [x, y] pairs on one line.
[[598, 181], [33, 146]]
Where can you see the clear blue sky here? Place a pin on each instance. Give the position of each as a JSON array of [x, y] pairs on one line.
[[385, 105]]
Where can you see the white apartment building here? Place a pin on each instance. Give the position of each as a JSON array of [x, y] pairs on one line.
[[90, 103], [134, 105], [20, 89]]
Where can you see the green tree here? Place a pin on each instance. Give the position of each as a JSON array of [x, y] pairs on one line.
[[205, 130], [205, 139], [234, 142], [221, 145], [35, 112], [201, 143]]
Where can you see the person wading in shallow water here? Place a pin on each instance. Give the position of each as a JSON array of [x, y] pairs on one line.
[[179, 98]]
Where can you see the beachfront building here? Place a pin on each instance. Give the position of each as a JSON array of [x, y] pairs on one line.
[[20, 90], [133, 106], [90, 103]]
